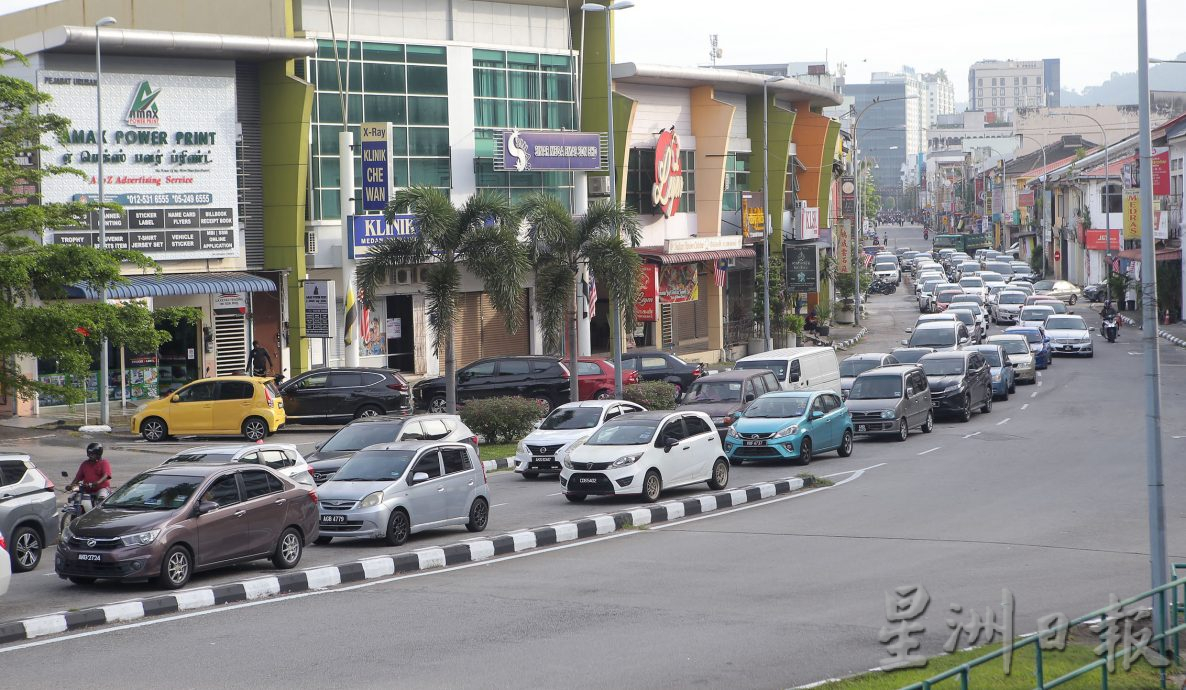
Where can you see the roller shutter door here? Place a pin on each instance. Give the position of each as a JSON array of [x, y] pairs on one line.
[[481, 331], [467, 329]]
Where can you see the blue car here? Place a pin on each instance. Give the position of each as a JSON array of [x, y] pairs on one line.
[[790, 425], [1004, 379], [1039, 343]]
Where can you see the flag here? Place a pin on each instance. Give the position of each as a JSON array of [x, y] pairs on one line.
[[718, 271], [349, 322], [591, 286]]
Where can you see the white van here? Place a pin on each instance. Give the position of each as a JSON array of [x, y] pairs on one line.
[[799, 368]]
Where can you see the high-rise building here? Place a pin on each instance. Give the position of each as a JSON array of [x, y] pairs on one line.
[[1002, 86], [890, 135], [939, 96]]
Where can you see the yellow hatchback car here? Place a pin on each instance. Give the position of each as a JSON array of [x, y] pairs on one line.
[[249, 406]]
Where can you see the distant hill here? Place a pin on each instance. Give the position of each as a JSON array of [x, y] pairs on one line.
[[1121, 89]]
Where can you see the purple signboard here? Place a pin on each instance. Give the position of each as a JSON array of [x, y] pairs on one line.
[[518, 151]]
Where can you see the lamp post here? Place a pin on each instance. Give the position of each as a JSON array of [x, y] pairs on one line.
[[104, 360], [1107, 195], [1042, 179], [615, 309], [766, 337]]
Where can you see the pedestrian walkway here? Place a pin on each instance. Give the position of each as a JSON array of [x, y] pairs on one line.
[[1173, 333], [73, 417]]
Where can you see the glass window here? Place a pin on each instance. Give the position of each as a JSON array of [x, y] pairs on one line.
[[524, 113], [696, 426], [428, 111], [382, 52], [481, 369], [489, 58], [392, 109], [514, 367], [430, 55], [555, 63], [434, 429], [312, 381], [672, 431], [653, 363], [235, 390], [588, 369], [422, 79], [430, 464], [425, 141], [490, 83], [431, 172], [412, 431], [345, 379], [1111, 199], [455, 460], [490, 113], [255, 484], [224, 491], [199, 392]]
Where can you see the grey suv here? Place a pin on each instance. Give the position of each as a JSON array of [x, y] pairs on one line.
[[891, 400], [28, 510]]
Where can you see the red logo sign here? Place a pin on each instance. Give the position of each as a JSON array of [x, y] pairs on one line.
[[1097, 240], [1160, 163], [646, 308], [669, 174]]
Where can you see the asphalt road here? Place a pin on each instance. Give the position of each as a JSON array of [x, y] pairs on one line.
[[1045, 496]]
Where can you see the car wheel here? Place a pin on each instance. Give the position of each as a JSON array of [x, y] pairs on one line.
[[530, 475], [720, 475], [903, 429], [438, 405], [399, 528], [176, 568], [255, 429], [575, 498], [845, 448], [1012, 386], [966, 413], [289, 549], [929, 425], [804, 451], [154, 429], [368, 411], [26, 549], [322, 541], [987, 406], [652, 486], [479, 515], [78, 580], [603, 394]]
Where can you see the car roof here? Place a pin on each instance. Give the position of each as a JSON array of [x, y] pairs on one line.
[[198, 468], [981, 347], [867, 355], [996, 337], [232, 449], [1022, 329], [376, 370], [937, 325], [898, 369], [784, 352], [732, 375], [592, 403], [1031, 307], [414, 445], [947, 354], [649, 415], [387, 419]]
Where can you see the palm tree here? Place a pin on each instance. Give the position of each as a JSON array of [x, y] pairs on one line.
[[482, 234], [559, 244]]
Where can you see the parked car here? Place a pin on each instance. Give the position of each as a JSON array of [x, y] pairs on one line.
[[282, 457], [959, 381], [1004, 380], [966, 317], [28, 510], [888, 270], [325, 396], [249, 406], [175, 520], [1018, 350], [910, 355], [943, 299], [796, 425], [644, 453], [333, 452], [1034, 316], [941, 335], [1062, 289], [544, 379], [5, 565], [595, 378], [1008, 305], [395, 490], [891, 401], [653, 365], [721, 396], [1096, 292], [855, 365], [537, 453], [1069, 335], [799, 368]]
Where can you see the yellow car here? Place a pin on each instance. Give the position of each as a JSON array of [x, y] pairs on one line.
[[229, 405]]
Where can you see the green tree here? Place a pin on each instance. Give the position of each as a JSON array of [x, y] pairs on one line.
[[871, 200], [36, 319], [559, 245], [481, 234]]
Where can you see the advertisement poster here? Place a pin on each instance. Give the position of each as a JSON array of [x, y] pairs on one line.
[[802, 272], [374, 336], [1132, 215], [646, 309], [395, 328], [678, 283], [1160, 162]]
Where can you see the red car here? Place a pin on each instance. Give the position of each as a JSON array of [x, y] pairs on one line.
[[595, 378]]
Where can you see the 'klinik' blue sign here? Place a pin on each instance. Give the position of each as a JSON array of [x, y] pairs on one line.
[[368, 231]]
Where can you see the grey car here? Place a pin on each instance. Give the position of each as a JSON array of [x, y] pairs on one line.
[[891, 400], [855, 365], [333, 452], [393, 490], [28, 510]]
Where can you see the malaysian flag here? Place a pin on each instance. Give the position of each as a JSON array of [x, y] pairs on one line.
[[591, 286], [718, 271]]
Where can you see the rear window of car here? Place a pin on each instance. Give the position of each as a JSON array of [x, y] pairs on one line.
[[345, 379], [588, 369], [235, 390], [778, 367]]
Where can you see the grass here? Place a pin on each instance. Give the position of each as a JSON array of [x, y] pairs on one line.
[[1141, 676], [496, 451], [810, 481]]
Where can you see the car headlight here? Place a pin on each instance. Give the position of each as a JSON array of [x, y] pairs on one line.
[[66, 535], [566, 462], [996, 377], [954, 389], [786, 431], [371, 500], [887, 414], [733, 432], [140, 538], [626, 460], [521, 449]]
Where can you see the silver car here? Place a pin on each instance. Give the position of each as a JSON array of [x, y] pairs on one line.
[[1025, 367], [393, 490], [364, 432], [28, 510], [1069, 335]]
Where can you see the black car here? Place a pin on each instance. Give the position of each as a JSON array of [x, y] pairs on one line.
[[653, 365], [959, 381], [334, 451], [326, 396], [910, 355], [543, 378], [722, 396]]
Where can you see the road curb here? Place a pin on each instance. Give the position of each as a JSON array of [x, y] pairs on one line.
[[845, 344], [1164, 335], [499, 464], [420, 560]]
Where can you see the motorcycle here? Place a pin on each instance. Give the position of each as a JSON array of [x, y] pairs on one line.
[[883, 287], [925, 235], [74, 507], [1111, 327]]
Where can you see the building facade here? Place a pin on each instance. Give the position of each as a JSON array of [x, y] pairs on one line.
[[1002, 86]]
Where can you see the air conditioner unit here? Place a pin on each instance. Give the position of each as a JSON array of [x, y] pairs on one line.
[[598, 185], [423, 275], [310, 241]]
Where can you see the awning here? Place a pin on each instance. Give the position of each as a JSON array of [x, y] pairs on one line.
[[178, 284], [1168, 254], [659, 255]]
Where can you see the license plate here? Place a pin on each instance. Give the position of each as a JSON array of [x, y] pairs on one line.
[[89, 557], [861, 427], [333, 519], [542, 458], [755, 443], [587, 480]]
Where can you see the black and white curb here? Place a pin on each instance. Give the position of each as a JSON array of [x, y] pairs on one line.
[[845, 344], [1163, 334], [499, 464], [388, 565]]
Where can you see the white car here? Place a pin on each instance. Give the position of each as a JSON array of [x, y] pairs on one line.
[[888, 271], [570, 422], [5, 566], [644, 453], [282, 457], [974, 285], [924, 277], [1069, 335], [1008, 304], [1034, 316]]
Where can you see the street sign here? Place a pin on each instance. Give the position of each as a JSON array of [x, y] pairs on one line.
[[319, 314]]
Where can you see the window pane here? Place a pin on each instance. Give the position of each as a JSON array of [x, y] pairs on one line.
[[489, 113], [384, 78], [557, 87], [432, 172], [555, 63], [521, 60], [487, 176], [524, 114], [490, 83], [327, 75], [431, 55], [386, 109], [489, 58], [399, 141], [330, 172], [557, 116], [433, 80], [327, 138], [428, 111], [423, 141], [330, 206], [382, 52], [523, 85], [399, 172]]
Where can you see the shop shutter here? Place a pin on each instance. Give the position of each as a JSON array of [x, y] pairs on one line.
[[467, 330], [706, 284], [496, 340], [230, 341]]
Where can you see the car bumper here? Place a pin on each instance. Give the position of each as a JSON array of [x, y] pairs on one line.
[[1071, 348], [953, 402], [875, 427], [123, 563], [548, 464], [357, 522], [611, 482], [1000, 388], [772, 449]]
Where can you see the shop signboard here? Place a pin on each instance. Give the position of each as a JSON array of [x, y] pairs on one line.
[[669, 173], [702, 244], [844, 247], [319, 295], [808, 222], [848, 196], [1132, 215], [518, 150], [375, 142], [1160, 162], [802, 268], [231, 300], [646, 309], [1026, 198], [170, 161], [679, 283], [368, 231], [1097, 240]]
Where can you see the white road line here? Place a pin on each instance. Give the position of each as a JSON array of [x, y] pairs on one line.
[[1025, 406], [1034, 394], [1177, 436], [1003, 421], [974, 433], [870, 467], [931, 450], [1039, 383], [499, 505]]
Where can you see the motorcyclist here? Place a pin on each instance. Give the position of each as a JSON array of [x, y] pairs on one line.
[[93, 478], [1109, 311]]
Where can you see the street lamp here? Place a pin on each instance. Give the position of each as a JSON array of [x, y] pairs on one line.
[[104, 360], [767, 339], [616, 309], [1107, 195]]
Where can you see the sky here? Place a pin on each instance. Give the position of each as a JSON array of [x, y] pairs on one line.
[[1093, 38]]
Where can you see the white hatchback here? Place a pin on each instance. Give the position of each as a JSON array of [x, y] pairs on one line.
[[282, 457], [570, 422], [5, 566], [644, 453]]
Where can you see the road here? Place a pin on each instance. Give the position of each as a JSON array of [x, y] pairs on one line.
[[1045, 496]]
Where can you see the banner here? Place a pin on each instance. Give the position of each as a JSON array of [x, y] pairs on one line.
[[368, 231], [1132, 215], [679, 283], [1097, 240], [376, 165], [802, 269], [646, 309], [844, 247], [1160, 161], [523, 150]]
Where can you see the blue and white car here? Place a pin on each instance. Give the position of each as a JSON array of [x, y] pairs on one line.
[[791, 425], [1004, 378]]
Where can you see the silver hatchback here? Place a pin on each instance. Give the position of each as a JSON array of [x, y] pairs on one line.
[[28, 510], [393, 490]]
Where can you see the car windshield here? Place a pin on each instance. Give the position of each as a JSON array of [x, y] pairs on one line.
[[1014, 346], [1044, 285], [854, 367], [933, 337], [1032, 336], [876, 388], [929, 285], [992, 356], [1058, 307], [713, 391], [945, 297], [359, 436], [942, 366], [777, 408], [971, 282], [967, 317], [1067, 323], [212, 457], [885, 266], [1003, 269], [1011, 298], [572, 418], [634, 432], [154, 492], [375, 466], [909, 356], [1032, 314], [990, 277], [779, 368]]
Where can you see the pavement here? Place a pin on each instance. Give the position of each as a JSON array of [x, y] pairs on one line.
[[1174, 333]]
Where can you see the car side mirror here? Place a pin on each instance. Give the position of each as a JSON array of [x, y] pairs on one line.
[[795, 376], [963, 341], [909, 330], [816, 414], [206, 507], [319, 445], [419, 477], [175, 398], [1091, 328], [669, 444], [904, 342], [750, 397]]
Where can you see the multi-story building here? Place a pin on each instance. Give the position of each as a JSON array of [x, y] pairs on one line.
[[890, 135], [1002, 86], [939, 96]]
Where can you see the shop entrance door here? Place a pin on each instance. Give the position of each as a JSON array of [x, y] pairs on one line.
[[401, 336], [230, 341]]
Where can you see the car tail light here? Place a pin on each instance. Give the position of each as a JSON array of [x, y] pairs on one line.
[[49, 483], [3, 544], [473, 441], [268, 397], [398, 386], [564, 369], [313, 495]]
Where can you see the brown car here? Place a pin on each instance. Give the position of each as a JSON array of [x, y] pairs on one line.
[[174, 520]]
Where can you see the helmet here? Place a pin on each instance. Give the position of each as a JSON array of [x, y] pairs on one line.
[[94, 450]]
